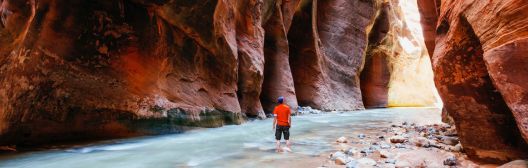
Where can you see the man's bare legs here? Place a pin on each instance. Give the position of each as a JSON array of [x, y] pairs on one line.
[[278, 145], [288, 144]]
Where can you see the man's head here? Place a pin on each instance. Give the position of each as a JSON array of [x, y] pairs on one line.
[[280, 100]]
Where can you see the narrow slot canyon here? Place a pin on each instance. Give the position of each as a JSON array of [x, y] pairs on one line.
[[369, 83]]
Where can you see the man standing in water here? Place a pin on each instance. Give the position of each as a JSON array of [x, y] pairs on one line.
[[282, 122]]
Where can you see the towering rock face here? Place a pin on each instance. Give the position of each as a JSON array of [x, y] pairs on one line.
[[70, 67], [326, 63], [278, 80], [98, 69], [118, 68], [480, 72]]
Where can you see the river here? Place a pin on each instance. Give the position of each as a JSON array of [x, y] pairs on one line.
[[248, 145]]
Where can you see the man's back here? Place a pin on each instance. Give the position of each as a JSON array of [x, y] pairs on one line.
[[282, 113]]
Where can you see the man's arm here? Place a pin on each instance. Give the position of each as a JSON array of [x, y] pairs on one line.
[[274, 118], [274, 122]]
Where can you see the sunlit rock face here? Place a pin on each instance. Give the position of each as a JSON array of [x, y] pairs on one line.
[[397, 70], [355, 54], [480, 72]]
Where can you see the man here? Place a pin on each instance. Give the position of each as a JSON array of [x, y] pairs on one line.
[[282, 122]]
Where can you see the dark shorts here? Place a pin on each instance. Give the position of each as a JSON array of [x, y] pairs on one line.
[[279, 130]]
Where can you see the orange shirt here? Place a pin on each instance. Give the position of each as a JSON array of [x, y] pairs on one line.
[[282, 113]]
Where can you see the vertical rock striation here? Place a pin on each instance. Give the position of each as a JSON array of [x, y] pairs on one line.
[[479, 72], [326, 64], [99, 69]]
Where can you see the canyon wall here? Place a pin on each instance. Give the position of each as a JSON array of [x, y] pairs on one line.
[[478, 51], [99, 69]]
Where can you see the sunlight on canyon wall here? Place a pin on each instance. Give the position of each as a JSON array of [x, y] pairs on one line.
[[411, 82]]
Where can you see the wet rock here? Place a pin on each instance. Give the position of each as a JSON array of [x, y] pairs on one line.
[[308, 110], [449, 140], [399, 145], [451, 132], [457, 148], [515, 164], [361, 136], [337, 154], [422, 142], [398, 139], [450, 161], [342, 140], [367, 150], [352, 164], [390, 161], [341, 160], [384, 145], [351, 151]]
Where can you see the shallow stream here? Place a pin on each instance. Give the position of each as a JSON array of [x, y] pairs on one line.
[[247, 145]]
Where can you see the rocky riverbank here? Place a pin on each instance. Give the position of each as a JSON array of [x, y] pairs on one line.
[[404, 145]]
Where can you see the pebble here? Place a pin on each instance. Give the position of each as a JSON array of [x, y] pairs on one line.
[[341, 161], [449, 140], [352, 164], [351, 151], [367, 150], [361, 136], [385, 154], [385, 146], [422, 142], [450, 161], [458, 148], [397, 139], [366, 162], [342, 140], [336, 155], [390, 161], [399, 145]]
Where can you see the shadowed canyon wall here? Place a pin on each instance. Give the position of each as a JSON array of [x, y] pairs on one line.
[[99, 69], [478, 51]]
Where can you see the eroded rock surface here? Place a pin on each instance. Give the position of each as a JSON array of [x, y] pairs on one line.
[[99, 69], [479, 72]]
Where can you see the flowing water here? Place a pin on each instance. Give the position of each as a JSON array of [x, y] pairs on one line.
[[247, 145]]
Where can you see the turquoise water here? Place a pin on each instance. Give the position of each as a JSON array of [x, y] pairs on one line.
[[247, 145]]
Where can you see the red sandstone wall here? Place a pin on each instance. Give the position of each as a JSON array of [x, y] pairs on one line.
[[479, 59]]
